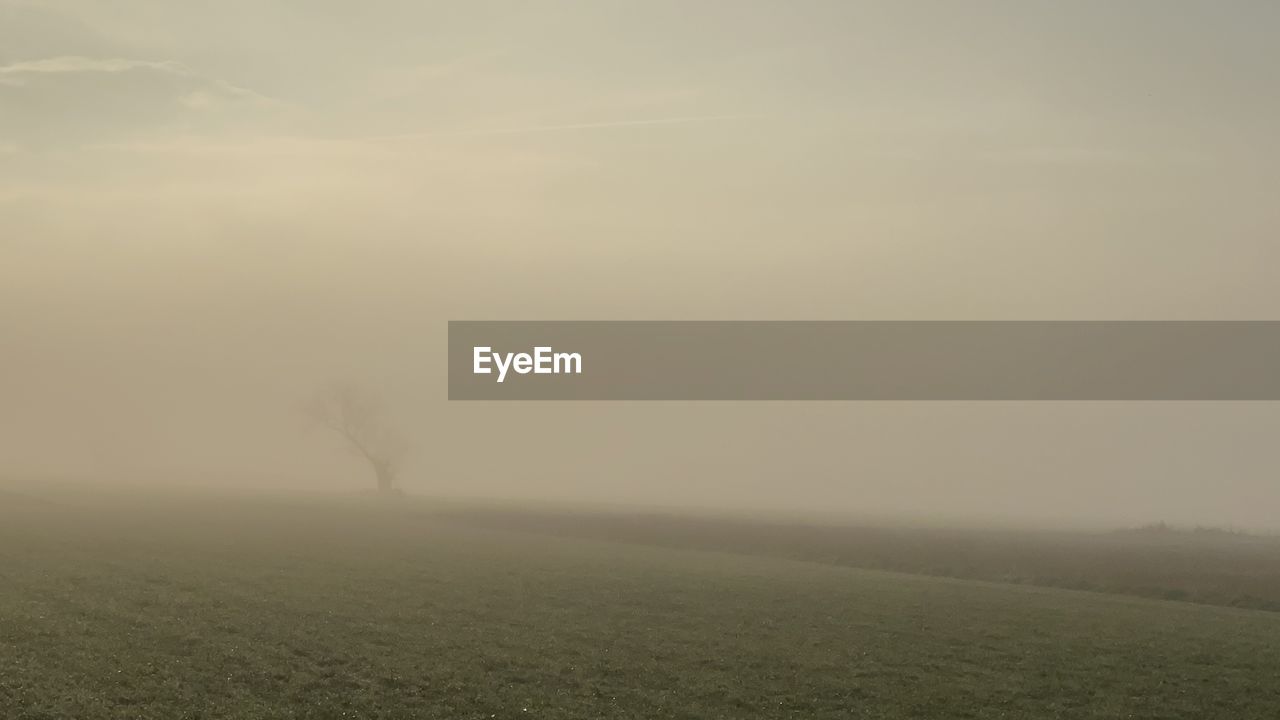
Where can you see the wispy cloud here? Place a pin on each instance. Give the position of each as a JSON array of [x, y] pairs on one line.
[[80, 64], [17, 73], [566, 127]]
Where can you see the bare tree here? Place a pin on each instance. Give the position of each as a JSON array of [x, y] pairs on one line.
[[359, 419]]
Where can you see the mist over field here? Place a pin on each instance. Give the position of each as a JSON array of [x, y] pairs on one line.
[[208, 212], [232, 236]]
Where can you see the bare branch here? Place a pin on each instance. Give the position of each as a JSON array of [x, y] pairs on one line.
[[358, 419]]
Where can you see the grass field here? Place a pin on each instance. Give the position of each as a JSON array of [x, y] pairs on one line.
[[139, 606], [1198, 565]]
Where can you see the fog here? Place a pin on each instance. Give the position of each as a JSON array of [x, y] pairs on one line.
[[207, 211]]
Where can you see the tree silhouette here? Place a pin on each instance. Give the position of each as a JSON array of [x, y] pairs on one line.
[[359, 419]]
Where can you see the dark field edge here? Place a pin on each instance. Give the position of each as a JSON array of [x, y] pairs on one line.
[[1201, 567]]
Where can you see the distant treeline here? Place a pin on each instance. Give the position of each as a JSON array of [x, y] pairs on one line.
[[1202, 565], [1166, 528]]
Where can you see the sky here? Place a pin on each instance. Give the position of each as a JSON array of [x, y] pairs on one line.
[[209, 210]]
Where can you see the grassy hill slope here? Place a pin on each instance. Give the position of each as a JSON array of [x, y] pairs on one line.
[[221, 608]]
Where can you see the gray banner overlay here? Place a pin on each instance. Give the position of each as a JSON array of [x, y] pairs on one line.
[[864, 360]]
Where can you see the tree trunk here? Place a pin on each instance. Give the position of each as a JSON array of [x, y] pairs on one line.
[[384, 475]]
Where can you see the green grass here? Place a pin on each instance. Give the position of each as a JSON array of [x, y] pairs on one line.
[[1201, 566], [136, 607]]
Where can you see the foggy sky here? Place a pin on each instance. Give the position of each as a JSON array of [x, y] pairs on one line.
[[208, 210]]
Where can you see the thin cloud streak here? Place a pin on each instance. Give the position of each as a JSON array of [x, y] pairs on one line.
[[79, 64], [14, 73], [532, 129]]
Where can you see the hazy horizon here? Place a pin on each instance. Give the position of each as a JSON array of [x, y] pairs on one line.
[[206, 212]]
